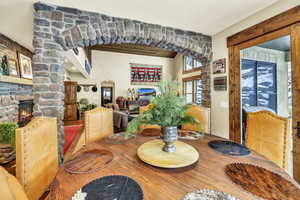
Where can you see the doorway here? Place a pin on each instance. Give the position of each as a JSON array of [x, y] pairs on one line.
[[266, 79], [235, 83], [266, 84], [106, 95]]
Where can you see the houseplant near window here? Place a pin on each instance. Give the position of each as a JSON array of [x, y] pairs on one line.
[[167, 110]]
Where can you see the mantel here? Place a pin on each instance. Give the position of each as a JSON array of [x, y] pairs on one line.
[[16, 80]]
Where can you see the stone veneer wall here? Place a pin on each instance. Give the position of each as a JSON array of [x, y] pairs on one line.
[[205, 80], [59, 28], [10, 95]]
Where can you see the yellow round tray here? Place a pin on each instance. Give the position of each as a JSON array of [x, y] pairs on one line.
[[151, 152]]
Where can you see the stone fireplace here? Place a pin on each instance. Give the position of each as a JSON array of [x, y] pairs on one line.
[[25, 112], [11, 95]]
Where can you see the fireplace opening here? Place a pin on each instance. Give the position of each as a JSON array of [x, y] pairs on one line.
[[25, 112]]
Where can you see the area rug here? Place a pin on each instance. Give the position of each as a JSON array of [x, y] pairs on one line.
[[229, 148], [70, 134], [206, 194], [262, 182], [110, 188]]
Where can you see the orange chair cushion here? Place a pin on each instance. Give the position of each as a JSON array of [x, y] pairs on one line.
[[267, 134]]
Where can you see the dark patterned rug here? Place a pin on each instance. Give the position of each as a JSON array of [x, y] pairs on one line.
[[110, 188], [229, 148]]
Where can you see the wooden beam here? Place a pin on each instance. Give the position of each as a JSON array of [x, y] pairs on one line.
[[295, 43], [135, 49], [234, 95], [277, 22]]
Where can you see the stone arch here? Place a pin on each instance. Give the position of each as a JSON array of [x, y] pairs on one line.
[[57, 29], [185, 42]]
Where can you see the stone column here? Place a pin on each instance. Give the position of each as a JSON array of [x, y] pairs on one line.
[[48, 73]]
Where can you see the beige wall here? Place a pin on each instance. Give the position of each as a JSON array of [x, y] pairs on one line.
[[220, 104], [116, 67]]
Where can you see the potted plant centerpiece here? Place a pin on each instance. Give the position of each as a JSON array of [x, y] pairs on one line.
[[168, 110]]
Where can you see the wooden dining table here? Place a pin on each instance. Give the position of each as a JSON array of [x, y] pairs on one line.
[[159, 183]]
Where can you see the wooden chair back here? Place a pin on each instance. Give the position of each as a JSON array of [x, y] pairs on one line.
[[37, 155], [267, 134]]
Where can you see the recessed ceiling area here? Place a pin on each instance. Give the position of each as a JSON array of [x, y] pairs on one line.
[[136, 49], [204, 16]]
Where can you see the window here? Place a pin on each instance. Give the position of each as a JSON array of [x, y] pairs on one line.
[[192, 90], [191, 64], [259, 84]]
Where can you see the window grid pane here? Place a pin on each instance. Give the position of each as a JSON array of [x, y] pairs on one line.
[[198, 64], [192, 91], [189, 98], [188, 63], [198, 91]]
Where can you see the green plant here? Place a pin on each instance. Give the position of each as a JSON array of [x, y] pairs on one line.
[[7, 133], [89, 107], [167, 109]]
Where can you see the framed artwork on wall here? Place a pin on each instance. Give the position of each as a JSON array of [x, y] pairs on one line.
[[25, 66], [13, 67], [145, 74], [219, 66], [220, 83], [5, 55]]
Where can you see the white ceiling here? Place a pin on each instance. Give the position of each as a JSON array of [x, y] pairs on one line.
[[204, 16]]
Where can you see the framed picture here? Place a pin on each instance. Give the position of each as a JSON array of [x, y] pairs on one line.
[[220, 83], [145, 74], [25, 66], [219, 66], [13, 67]]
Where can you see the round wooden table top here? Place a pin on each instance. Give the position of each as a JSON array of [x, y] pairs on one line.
[[164, 184]]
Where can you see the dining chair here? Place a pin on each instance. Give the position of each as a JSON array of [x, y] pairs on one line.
[[146, 126], [37, 155], [10, 188], [267, 134], [98, 124], [202, 114]]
